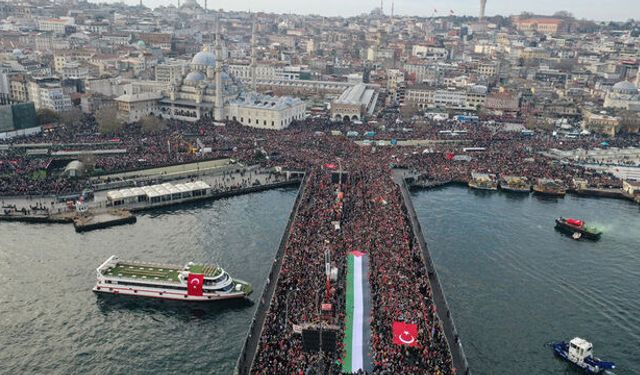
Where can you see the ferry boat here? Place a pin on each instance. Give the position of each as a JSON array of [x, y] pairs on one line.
[[193, 282], [579, 352], [577, 229], [545, 186], [515, 184], [483, 181]]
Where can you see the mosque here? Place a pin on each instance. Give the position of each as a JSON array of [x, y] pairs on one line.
[[623, 95], [206, 90]]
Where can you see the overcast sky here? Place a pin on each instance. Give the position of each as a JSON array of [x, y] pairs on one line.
[[591, 9]]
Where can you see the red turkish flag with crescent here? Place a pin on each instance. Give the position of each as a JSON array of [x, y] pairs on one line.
[[405, 334], [194, 283]]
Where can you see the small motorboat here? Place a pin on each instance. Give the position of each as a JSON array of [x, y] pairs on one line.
[[579, 352], [577, 229]]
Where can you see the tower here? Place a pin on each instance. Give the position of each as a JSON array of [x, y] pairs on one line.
[[392, 6], [381, 7], [219, 110], [205, 6], [483, 5], [253, 57]]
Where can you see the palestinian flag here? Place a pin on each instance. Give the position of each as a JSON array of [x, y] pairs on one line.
[[357, 337]]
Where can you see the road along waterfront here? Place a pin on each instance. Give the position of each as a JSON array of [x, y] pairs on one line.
[[514, 284]]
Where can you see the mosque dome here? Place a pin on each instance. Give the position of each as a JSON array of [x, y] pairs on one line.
[[204, 58], [194, 77], [225, 76], [141, 44], [625, 87]]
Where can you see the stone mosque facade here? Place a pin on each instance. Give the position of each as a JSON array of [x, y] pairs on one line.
[[206, 90]]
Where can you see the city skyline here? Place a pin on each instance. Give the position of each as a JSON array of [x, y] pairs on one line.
[[620, 10]]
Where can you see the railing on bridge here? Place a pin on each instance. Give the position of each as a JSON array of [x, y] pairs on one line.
[[444, 312], [250, 348]]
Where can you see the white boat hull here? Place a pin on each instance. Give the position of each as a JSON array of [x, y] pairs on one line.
[[175, 295]]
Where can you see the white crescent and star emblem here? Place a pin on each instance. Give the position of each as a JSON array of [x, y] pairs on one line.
[[406, 338], [195, 281]]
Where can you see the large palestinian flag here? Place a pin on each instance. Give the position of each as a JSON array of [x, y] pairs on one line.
[[357, 338]]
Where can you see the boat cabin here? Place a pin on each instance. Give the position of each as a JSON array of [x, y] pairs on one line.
[[579, 349]]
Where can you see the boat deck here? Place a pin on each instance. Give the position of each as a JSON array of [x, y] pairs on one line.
[[141, 271], [158, 272]]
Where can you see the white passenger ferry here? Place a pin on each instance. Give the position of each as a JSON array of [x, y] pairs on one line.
[[193, 282]]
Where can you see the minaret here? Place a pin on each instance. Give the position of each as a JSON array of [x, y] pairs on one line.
[[219, 110], [205, 6], [253, 57], [483, 5], [381, 7]]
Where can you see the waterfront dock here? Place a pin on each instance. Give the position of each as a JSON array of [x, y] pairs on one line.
[[89, 222], [100, 213]]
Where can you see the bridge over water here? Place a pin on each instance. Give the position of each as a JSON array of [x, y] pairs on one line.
[[307, 195]]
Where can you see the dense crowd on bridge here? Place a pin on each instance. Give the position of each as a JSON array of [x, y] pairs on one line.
[[374, 222]]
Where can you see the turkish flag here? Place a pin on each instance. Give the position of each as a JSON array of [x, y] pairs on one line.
[[450, 156], [330, 166], [405, 334], [194, 283]]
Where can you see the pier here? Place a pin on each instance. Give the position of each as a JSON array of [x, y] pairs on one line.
[[100, 213], [85, 223]]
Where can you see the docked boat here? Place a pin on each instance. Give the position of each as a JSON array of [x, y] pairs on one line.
[[483, 181], [579, 352], [193, 282], [554, 188], [515, 184], [577, 229]]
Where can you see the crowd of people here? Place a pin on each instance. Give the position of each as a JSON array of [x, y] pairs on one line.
[[372, 215], [372, 220], [507, 152]]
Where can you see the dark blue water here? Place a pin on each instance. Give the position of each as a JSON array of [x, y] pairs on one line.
[[515, 284], [52, 323]]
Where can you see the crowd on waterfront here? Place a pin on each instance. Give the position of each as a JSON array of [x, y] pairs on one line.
[[507, 152]]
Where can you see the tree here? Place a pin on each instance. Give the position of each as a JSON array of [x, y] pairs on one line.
[[89, 161], [408, 110], [629, 122], [107, 119], [47, 116], [152, 124], [563, 14], [71, 118]]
